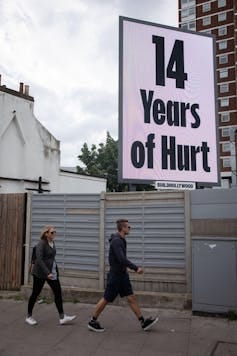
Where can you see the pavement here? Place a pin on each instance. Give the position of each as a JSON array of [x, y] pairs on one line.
[[178, 333]]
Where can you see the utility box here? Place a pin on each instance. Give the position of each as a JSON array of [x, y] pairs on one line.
[[214, 274]]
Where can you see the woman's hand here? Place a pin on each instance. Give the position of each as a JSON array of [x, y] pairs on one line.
[[50, 276]]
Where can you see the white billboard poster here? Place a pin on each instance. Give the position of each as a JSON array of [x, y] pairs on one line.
[[167, 105]]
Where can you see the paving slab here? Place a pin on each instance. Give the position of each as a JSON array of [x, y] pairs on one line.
[[178, 333]]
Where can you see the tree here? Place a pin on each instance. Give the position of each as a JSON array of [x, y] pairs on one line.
[[103, 162]]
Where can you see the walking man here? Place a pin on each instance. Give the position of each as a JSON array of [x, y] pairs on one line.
[[118, 281]]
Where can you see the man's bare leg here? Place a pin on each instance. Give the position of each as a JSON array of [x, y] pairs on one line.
[[132, 301], [99, 307]]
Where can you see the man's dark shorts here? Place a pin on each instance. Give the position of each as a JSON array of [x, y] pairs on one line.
[[117, 283]]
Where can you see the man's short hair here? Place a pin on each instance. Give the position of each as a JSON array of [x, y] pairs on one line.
[[120, 223]]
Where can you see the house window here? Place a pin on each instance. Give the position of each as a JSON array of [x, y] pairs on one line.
[[226, 147], [206, 21], [226, 162], [222, 31], [224, 102], [184, 13], [192, 26], [223, 59], [184, 3], [225, 116], [221, 3], [207, 31], [222, 44], [222, 16], [191, 11], [184, 26], [206, 7], [225, 132], [188, 11], [224, 88], [223, 73]]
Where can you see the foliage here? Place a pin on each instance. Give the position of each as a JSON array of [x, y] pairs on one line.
[[232, 315], [102, 161]]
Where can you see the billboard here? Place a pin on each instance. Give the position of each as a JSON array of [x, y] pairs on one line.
[[167, 104]]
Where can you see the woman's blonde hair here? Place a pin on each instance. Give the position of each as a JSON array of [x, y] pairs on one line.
[[45, 231]]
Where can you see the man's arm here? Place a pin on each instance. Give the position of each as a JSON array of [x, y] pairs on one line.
[[120, 256]]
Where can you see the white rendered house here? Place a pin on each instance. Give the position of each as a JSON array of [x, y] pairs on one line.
[[29, 153]]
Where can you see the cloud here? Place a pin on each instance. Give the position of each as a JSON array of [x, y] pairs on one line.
[[67, 51]]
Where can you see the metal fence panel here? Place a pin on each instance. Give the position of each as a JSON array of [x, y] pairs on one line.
[[76, 219], [157, 236], [214, 204]]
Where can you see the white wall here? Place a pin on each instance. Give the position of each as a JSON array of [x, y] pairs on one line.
[[71, 183], [28, 151]]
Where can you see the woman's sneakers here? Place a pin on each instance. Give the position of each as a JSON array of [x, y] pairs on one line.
[[31, 321], [66, 319]]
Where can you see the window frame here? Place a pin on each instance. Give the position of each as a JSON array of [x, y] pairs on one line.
[[219, 16], [227, 114], [223, 70], [208, 22], [223, 59], [223, 42], [225, 164], [227, 147], [206, 7], [221, 3], [222, 132], [224, 100], [226, 85], [190, 28], [224, 28]]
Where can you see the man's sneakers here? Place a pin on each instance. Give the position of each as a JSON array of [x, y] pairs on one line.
[[148, 323], [94, 325], [66, 319], [31, 321]]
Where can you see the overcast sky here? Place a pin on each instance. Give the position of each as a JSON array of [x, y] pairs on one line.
[[67, 51]]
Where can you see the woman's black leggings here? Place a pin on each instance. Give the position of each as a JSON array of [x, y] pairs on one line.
[[37, 287]]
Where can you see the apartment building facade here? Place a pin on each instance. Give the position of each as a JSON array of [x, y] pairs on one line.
[[219, 18]]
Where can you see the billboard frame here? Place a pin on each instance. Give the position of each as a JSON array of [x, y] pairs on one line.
[[120, 102]]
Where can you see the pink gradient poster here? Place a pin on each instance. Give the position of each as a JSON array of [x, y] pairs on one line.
[[167, 104]]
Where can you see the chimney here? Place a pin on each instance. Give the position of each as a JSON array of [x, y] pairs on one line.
[[27, 90], [21, 88]]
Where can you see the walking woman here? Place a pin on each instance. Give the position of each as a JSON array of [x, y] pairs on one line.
[[45, 269]]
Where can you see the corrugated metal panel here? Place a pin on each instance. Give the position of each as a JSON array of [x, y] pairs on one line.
[[76, 219], [214, 204], [157, 236]]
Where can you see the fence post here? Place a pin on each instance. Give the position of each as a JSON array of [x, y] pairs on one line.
[[102, 242], [27, 239], [188, 261]]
